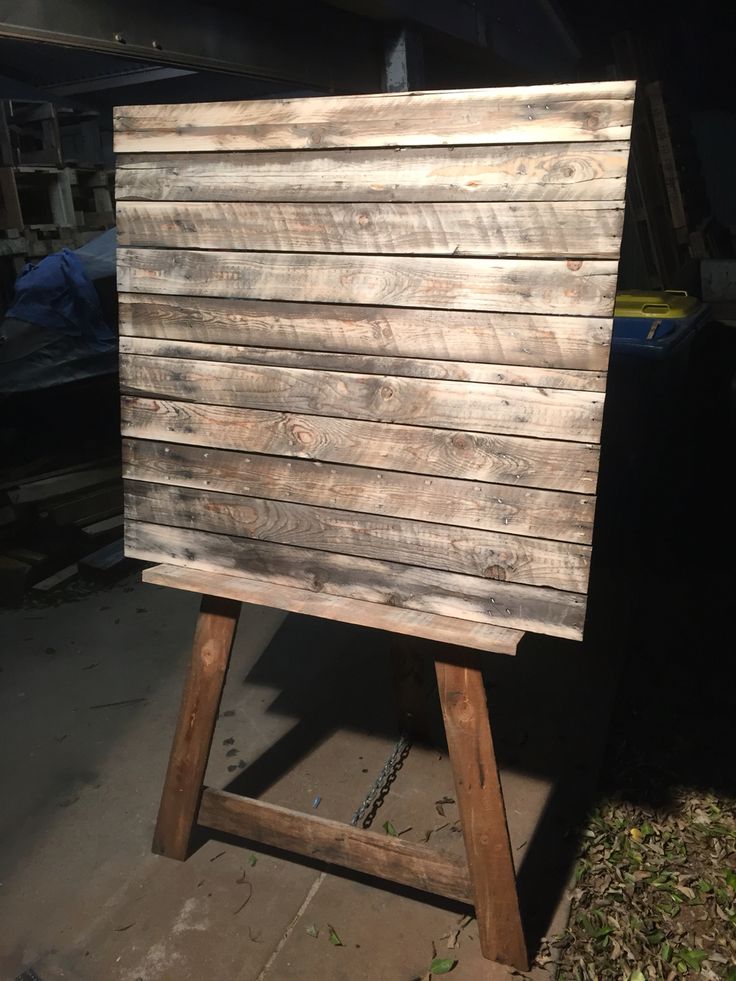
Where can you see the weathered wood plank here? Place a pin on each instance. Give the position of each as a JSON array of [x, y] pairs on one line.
[[376, 854], [465, 633], [532, 229], [493, 338], [472, 551], [580, 287], [489, 374], [520, 461], [534, 608], [213, 641], [481, 806], [546, 413], [534, 172], [588, 111], [463, 503]]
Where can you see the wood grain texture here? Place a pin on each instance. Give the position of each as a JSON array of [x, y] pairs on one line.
[[376, 854], [494, 338], [213, 640], [546, 413], [469, 551], [580, 287], [489, 374], [481, 807], [520, 461], [533, 172], [462, 503], [534, 608], [466, 633], [534, 229], [560, 113]]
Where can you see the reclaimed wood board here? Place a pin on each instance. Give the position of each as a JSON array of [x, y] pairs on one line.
[[364, 344]]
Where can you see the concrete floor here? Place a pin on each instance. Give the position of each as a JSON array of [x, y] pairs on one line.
[[89, 694]]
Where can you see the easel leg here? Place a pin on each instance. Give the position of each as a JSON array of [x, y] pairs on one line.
[[213, 641], [409, 666], [481, 806]]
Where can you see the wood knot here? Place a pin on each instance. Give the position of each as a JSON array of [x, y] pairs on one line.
[[460, 441], [574, 264], [387, 392]]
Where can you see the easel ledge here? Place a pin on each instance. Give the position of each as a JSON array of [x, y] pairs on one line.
[[430, 626], [487, 881]]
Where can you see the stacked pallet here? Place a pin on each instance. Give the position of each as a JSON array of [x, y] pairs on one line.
[[364, 350], [48, 201]]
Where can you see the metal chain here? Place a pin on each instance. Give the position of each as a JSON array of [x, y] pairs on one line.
[[382, 784]]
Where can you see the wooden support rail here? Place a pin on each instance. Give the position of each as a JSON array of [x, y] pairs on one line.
[[381, 855]]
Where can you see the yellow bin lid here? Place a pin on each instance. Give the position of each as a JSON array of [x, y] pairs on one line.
[[665, 304]]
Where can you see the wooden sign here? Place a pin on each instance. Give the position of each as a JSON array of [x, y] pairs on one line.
[[364, 344]]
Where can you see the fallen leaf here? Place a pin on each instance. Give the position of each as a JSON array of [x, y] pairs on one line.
[[312, 931], [692, 958], [443, 965], [390, 829], [252, 859], [334, 939]]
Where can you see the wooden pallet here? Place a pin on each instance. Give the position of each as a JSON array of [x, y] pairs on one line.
[[364, 348]]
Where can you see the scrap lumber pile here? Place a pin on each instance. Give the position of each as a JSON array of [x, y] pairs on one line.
[[58, 522]]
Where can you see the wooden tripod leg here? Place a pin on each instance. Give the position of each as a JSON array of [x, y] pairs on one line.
[[213, 641], [481, 806]]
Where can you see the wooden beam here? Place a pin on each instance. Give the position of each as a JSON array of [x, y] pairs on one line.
[[213, 640], [460, 503], [464, 371], [535, 229], [516, 460], [503, 604], [376, 854], [534, 172], [584, 112], [481, 806], [533, 340], [558, 286], [427, 544], [516, 410]]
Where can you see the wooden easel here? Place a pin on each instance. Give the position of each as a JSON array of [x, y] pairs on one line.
[[488, 881], [364, 343]]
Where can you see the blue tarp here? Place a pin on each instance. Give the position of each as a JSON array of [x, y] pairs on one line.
[[58, 294]]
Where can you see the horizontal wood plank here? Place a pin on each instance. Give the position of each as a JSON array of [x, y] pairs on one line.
[[546, 413], [385, 856], [580, 287], [533, 172], [534, 229], [489, 374], [462, 503], [553, 464], [470, 551], [444, 630], [588, 111], [534, 608], [495, 338]]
